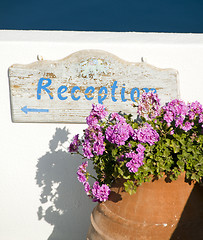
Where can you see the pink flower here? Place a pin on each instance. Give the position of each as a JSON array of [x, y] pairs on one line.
[[74, 144], [136, 160], [119, 133], [97, 113], [82, 172], [146, 134], [149, 105], [100, 194]]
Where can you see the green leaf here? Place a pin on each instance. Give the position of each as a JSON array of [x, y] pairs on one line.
[[120, 171], [181, 164], [130, 187], [114, 152], [175, 146]]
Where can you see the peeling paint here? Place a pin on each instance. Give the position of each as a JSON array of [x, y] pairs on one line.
[[84, 69]]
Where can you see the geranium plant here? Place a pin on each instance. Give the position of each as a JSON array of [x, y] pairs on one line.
[[161, 141]]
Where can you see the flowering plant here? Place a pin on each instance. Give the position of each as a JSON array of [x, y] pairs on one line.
[[163, 140]]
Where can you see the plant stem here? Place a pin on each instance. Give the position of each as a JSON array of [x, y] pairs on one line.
[[80, 154], [92, 177]]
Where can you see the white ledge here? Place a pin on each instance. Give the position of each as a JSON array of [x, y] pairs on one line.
[[99, 37]]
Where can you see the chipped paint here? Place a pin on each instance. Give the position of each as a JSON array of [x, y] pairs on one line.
[[114, 82]]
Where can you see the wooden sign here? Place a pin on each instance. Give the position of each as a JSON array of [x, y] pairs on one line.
[[64, 90]]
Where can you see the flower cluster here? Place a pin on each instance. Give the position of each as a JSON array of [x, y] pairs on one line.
[[93, 137], [97, 113], [100, 193], [146, 134], [165, 139], [136, 159], [195, 110], [74, 146], [93, 141], [149, 105], [82, 172], [120, 132], [181, 115], [97, 192]]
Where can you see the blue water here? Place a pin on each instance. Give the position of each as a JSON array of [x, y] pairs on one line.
[[103, 15]]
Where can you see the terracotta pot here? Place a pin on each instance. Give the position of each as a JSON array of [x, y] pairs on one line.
[[152, 213]]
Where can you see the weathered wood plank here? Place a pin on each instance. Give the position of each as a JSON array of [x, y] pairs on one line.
[[64, 90]]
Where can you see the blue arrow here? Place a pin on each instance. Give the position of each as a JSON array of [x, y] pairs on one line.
[[26, 110]]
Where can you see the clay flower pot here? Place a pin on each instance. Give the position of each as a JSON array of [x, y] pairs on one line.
[[158, 210]]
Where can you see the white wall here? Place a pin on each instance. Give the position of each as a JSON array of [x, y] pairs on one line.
[[31, 155]]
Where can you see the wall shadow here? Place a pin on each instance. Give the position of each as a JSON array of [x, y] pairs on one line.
[[64, 203], [190, 226]]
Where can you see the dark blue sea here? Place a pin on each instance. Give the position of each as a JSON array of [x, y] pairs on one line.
[[103, 15]]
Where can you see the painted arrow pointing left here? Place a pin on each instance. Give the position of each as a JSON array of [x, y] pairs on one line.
[[26, 110]]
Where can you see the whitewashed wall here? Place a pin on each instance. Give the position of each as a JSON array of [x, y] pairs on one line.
[[31, 155]]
